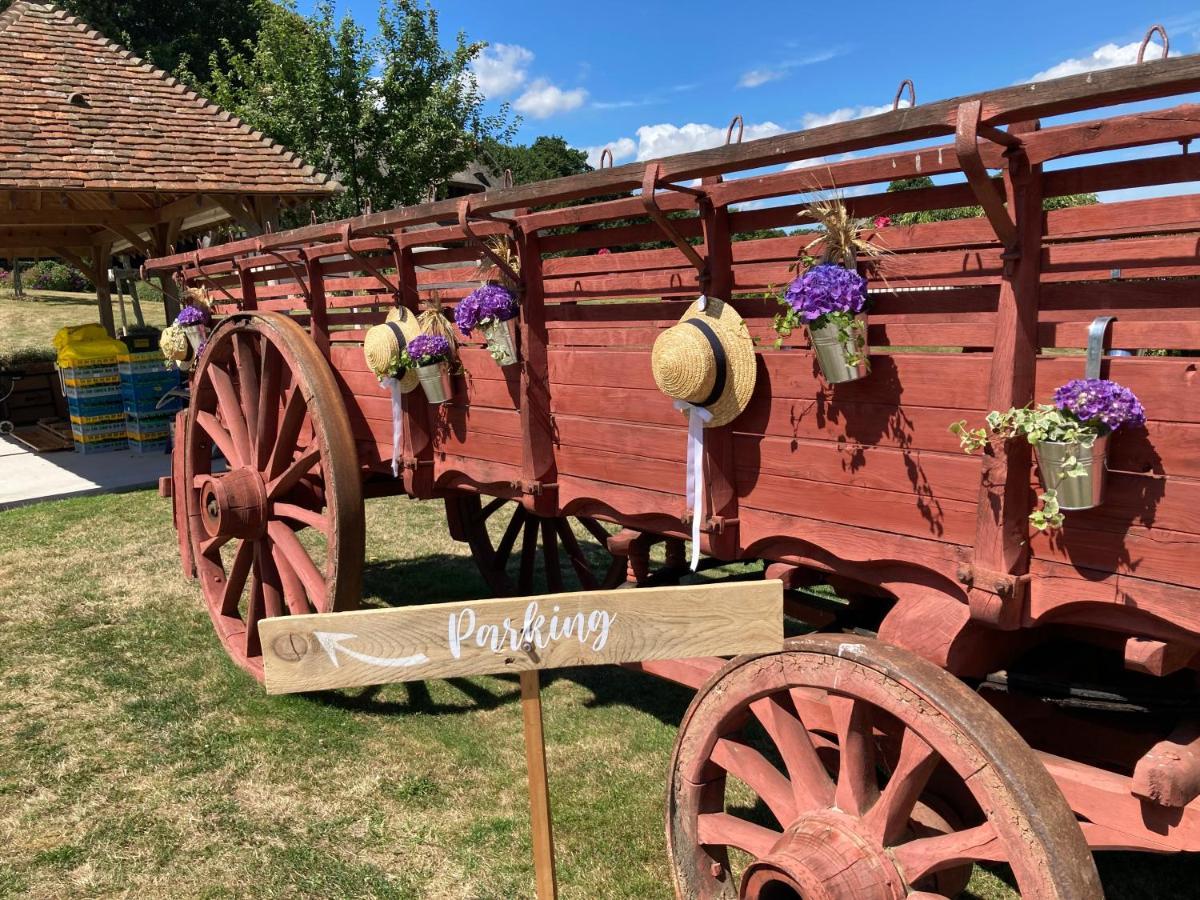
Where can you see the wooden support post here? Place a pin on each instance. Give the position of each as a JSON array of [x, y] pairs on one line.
[[417, 451], [164, 237], [539, 468], [318, 324], [539, 786], [101, 261], [1001, 553]]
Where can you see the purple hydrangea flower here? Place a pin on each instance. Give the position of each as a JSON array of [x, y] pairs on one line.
[[1103, 404], [826, 289], [489, 301], [192, 315], [427, 349]]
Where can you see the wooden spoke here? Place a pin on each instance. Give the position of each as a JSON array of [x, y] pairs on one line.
[[722, 829], [579, 562], [268, 574], [289, 430], [554, 581], [244, 358], [888, 818], [231, 413], [925, 856], [268, 403], [504, 548], [209, 546], [528, 555], [239, 569], [254, 612], [494, 505], [305, 516], [596, 530], [293, 587], [297, 469], [811, 785], [222, 438], [857, 783], [306, 570], [751, 767]]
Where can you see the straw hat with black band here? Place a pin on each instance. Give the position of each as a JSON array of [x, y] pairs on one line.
[[706, 364], [383, 344], [707, 360]]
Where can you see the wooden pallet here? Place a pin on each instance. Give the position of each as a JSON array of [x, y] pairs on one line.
[[46, 436]]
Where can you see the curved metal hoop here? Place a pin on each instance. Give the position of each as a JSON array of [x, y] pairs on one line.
[[912, 94], [606, 153], [1166, 42], [506, 180], [741, 127]]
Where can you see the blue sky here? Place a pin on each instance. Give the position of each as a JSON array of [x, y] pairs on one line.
[[653, 78]]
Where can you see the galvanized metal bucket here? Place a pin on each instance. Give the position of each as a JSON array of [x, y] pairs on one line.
[[502, 341], [435, 380], [842, 357], [1074, 491], [196, 335]]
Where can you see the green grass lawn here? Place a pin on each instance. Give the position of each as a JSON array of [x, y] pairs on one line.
[[31, 323], [136, 761]]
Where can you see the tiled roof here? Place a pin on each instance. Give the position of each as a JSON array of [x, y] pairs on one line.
[[77, 112]]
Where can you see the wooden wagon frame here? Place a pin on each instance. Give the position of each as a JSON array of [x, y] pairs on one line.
[[860, 485]]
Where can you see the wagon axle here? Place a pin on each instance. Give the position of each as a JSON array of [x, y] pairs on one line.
[[234, 505]]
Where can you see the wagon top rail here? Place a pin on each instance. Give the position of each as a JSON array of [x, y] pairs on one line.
[[971, 118]]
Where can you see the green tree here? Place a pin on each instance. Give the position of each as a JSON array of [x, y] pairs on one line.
[[169, 33], [549, 156], [968, 212], [390, 115]]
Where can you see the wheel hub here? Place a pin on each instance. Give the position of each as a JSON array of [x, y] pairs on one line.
[[823, 856], [234, 504]]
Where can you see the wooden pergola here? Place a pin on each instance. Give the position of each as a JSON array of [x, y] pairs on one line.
[[102, 153]]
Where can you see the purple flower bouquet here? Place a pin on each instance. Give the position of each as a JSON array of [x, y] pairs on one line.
[[1070, 437], [492, 309], [429, 355], [830, 301], [194, 321]]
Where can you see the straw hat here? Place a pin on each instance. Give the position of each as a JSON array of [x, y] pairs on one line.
[[383, 344], [707, 359]]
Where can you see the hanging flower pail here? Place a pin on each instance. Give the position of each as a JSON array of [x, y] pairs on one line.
[[841, 348], [501, 340], [435, 381], [1074, 471], [195, 335]]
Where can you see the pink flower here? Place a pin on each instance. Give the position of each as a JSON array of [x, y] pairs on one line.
[[883, 221], [603, 251]]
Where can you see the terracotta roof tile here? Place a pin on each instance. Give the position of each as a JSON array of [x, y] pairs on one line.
[[136, 129]]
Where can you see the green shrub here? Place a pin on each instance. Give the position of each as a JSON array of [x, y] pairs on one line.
[[48, 275]]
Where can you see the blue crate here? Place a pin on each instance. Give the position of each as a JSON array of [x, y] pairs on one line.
[[148, 406], [148, 427], [96, 408], [100, 446], [156, 384]]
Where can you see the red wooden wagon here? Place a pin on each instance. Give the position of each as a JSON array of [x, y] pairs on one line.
[[986, 693]]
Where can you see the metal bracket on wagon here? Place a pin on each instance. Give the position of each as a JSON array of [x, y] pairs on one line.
[[533, 488], [995, 598]]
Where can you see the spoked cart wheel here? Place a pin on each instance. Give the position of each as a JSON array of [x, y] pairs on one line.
[[506, 541], [844, 769], [278, 529]]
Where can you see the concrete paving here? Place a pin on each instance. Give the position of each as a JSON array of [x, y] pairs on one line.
[[28, 477]]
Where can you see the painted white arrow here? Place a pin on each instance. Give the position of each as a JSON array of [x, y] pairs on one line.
[[332, 642]]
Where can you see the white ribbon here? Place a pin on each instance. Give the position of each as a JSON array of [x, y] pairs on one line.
[[393, 385], [702, 303], [697, 417]]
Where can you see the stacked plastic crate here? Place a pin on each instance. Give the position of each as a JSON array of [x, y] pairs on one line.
[[145, 380], [92, 385]]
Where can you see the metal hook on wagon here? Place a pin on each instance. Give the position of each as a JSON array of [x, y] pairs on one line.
[[346, 247], [606, 153], [291, 266], [205, 277], [741, 127], [912, 94], [649, 185], [464, 222], [1166, 42]]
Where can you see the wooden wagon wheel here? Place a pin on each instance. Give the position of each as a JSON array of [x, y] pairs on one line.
[[279, 530], [506, 540], [868, 738], [179, 512]]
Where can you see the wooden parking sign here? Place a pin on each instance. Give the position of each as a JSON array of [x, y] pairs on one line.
[[524, 635]]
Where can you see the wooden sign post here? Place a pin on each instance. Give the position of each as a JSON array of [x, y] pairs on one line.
[[524, 635]]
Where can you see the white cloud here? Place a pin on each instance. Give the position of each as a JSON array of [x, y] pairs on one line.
[[622, 149], [543, 99], [502, 68], [845, 114], [665, 139], [756, 77], [1105, 57]]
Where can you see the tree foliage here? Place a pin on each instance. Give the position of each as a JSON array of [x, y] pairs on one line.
[[390, 116], [549, 156], [169, 33], [968, 212]]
